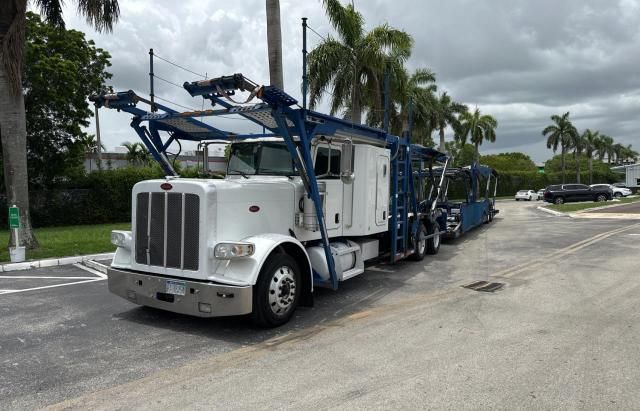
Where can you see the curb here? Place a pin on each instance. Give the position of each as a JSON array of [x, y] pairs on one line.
[[554, 212], [54, 262]]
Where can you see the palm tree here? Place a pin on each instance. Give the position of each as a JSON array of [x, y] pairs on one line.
[[89, 145], [354, 63], [630, 154], [445, 113], [137, 154], [274, 43], [102, 14], [619, 152], [577, 143], [591, 141], [408, 93], [606, 148], [477, 127], [560, 134]]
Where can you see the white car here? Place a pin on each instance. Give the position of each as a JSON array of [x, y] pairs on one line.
[[617, 191], [526, 195]]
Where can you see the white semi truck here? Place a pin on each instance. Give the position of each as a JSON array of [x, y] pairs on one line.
[[304, 204]]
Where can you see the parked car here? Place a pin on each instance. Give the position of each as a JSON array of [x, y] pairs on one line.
[[526, 195], [617, 190], [541, 194], [564, 193]]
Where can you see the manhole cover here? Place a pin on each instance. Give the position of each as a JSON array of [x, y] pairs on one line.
[[484, 286]]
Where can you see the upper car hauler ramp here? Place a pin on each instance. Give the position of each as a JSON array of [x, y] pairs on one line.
[[279, 114]]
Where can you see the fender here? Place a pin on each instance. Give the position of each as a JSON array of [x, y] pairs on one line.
[[245, 270]]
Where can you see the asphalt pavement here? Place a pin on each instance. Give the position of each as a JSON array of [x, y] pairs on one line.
[[561, 334]]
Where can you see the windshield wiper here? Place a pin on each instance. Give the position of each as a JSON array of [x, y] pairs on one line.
[[242, 173]]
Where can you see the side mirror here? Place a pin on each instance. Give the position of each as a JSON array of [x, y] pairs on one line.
[[346, 163]]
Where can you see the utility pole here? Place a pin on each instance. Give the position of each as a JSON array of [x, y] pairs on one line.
[[99, 148]]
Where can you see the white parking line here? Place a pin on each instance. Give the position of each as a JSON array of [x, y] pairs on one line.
[[24, 277], [3, 292], [98, 277], [91, 270]]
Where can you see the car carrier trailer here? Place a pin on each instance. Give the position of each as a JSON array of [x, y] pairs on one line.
[[468, 198], [304, 204]]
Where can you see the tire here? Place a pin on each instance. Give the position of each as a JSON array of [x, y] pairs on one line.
[[617, 195], [433, 243], [517, 199], [269, 308], [490, 215], [485, 218], [558, 200], [529, 198], [421, 245], [601, 197]]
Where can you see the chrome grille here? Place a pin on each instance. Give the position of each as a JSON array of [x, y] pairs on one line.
[[167, 230]]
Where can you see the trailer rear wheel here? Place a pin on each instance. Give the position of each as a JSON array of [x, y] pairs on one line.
[[421, 245], [277, 291], [433, 243]]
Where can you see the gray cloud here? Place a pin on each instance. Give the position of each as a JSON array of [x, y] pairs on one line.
[[519, 60]]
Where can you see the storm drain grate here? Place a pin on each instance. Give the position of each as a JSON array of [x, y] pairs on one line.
[[484, 286]]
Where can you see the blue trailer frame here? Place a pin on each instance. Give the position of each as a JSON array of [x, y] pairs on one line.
[[280, 116], [460, 216]]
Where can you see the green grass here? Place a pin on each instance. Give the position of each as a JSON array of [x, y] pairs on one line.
[[69, 241], [572, 207]]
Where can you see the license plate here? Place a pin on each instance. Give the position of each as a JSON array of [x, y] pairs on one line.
[[176, 287]]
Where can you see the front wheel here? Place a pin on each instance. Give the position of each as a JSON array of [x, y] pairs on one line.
[[601, 197], [617, 195], [433, 243], [529, 198], [277, 292], [558, 200]]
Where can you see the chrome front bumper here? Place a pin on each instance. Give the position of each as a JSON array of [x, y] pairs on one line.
[[150, 290]]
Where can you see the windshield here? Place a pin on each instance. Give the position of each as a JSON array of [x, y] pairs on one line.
[[263, 158]]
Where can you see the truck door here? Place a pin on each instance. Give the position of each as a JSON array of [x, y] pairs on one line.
[[382, 196], [327, 170]]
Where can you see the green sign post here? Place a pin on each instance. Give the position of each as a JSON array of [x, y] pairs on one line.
[[14, 218]]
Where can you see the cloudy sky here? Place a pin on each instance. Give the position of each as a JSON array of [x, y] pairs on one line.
[[518, 60]]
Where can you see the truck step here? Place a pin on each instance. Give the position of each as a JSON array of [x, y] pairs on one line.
[[352, 273]]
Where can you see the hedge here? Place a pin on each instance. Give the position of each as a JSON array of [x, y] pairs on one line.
[[105, 196]]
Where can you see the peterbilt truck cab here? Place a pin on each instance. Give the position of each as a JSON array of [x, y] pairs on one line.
[[250, 243]]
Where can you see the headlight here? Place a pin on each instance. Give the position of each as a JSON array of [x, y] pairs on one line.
[[121, 239], [225, 251]]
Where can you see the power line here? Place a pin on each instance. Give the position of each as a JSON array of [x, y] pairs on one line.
[[179, 66], [168, 81], [316, 33], [174, 103]]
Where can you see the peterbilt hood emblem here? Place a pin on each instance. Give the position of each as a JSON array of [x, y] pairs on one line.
[[166, 186]]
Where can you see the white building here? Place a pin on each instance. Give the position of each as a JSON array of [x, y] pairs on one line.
[[632, 174]]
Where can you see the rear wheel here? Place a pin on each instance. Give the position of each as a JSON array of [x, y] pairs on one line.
[[558, 200], [277, 292], [433, 243], [421, 245], [617, 195]]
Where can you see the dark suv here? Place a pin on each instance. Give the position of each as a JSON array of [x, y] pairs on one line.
[[564, 193]]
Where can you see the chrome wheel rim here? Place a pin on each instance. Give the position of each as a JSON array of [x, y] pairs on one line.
[[282, 290], [436, 236], [422, 243]]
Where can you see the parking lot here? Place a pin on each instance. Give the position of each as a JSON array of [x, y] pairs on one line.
[[562, 333]]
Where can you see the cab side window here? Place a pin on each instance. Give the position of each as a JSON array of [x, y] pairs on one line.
[[327, 162]]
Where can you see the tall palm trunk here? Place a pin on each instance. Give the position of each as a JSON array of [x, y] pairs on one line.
[[356, 108], [274, 43], [590, 170], [442, 139], [562, 161], [477, 157], [13, 133], [13, 130], [577, 157]]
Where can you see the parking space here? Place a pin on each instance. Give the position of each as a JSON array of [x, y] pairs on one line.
[[65, 337]]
